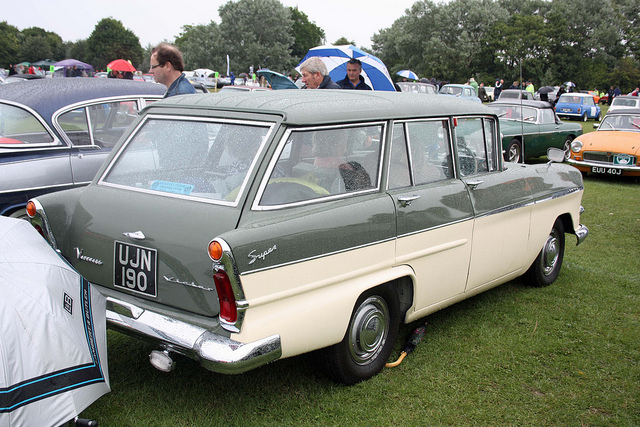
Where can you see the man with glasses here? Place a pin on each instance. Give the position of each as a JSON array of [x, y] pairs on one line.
[[166, 66]]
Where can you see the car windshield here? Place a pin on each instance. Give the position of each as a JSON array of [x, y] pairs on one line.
[[451, 90], [202, 159], [624, 102], [515, 112], [622, 122], [20, 128]]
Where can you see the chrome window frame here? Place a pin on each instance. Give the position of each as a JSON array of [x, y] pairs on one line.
[[245, 183], [22, 147], [256, 206]]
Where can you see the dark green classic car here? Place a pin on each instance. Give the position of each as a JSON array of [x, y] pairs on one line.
[[536, 124], [240, 229]]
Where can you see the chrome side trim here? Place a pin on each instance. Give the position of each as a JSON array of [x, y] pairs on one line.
[[214, 352]]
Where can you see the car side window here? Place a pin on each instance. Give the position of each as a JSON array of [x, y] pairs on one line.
[[19, 128], [322, 162], [107, 122], [475, 142], [548, 116], [429, 150], [420, 153]]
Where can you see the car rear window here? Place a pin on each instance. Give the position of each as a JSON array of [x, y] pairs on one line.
[[189, 158], [20, 128]]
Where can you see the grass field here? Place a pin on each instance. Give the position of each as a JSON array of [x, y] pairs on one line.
[[567, 354]]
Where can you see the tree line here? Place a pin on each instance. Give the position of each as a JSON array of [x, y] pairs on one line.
[[593, 43]]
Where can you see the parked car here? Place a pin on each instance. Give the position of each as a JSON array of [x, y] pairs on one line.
[[595, 94], [577, 105], [460, 91], [625, 101], [416, 87], [311, 224], [614, 148], [55, 133], [510, 94], [535, 123]]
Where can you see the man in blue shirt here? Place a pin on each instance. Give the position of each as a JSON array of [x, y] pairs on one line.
[[353, 80], [166, 66]]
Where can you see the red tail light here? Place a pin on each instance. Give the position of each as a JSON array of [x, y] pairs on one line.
[[228, 309]]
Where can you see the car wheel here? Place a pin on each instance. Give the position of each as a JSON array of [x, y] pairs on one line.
[[567, 147], [514, 151], [546, 267], [369, 340], [584, 117], [599, 118]]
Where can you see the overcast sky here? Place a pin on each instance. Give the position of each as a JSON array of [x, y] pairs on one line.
[[154, 21]]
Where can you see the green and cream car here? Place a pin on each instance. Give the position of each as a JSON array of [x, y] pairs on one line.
[[244, 228]]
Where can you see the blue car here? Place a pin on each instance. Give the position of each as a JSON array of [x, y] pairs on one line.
[[460, 91], [578, 105], [55, 133]]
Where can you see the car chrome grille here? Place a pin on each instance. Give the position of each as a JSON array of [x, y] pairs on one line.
[[608, 158]]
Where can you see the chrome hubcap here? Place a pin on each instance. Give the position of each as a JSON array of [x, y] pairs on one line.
[[369, 330], [550, 253]]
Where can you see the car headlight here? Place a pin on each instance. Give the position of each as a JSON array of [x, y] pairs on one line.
[[576, 146]]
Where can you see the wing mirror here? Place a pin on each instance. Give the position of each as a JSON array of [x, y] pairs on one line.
[[555, 155]]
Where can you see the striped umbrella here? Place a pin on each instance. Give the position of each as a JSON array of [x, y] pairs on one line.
[[374, 71], [408, 74]]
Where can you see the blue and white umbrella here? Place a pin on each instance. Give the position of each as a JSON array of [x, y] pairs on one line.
[[374, 71], [408, 74]]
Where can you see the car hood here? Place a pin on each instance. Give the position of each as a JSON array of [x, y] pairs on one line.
[[177, 230], [615, 141]]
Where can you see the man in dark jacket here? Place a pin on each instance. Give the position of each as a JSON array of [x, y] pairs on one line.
[[353, 79], [315, 75]]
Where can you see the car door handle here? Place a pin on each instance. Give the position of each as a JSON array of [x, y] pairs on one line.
[[406, 200], [473, 184]]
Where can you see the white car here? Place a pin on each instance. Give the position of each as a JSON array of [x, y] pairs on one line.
[[625, 101]]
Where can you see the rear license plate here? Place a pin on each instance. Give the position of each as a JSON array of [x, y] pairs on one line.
[[608, 171], [135, 268]]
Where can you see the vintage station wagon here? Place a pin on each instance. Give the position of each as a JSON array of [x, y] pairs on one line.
[[244, 228]]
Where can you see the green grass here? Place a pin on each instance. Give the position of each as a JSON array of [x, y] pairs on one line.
[[567, 354]]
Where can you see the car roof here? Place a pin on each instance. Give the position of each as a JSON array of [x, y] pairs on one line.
[[524, 103], [584, 95], [626, 96], [309, 107], [624, 111], [47, 96]]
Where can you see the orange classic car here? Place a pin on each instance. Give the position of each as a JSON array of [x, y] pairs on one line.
[[614, 149]]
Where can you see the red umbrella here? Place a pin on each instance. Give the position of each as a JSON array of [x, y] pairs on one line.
[[121, 65]]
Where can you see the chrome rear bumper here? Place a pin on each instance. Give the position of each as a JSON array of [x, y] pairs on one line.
[[215, 352]]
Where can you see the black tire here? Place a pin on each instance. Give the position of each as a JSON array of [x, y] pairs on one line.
[[513, 152], [584, 117], [567, 147], [546, 267], [369, 340], [599, 118]]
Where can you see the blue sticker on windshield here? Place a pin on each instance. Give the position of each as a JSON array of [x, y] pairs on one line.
[[172, 187]]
